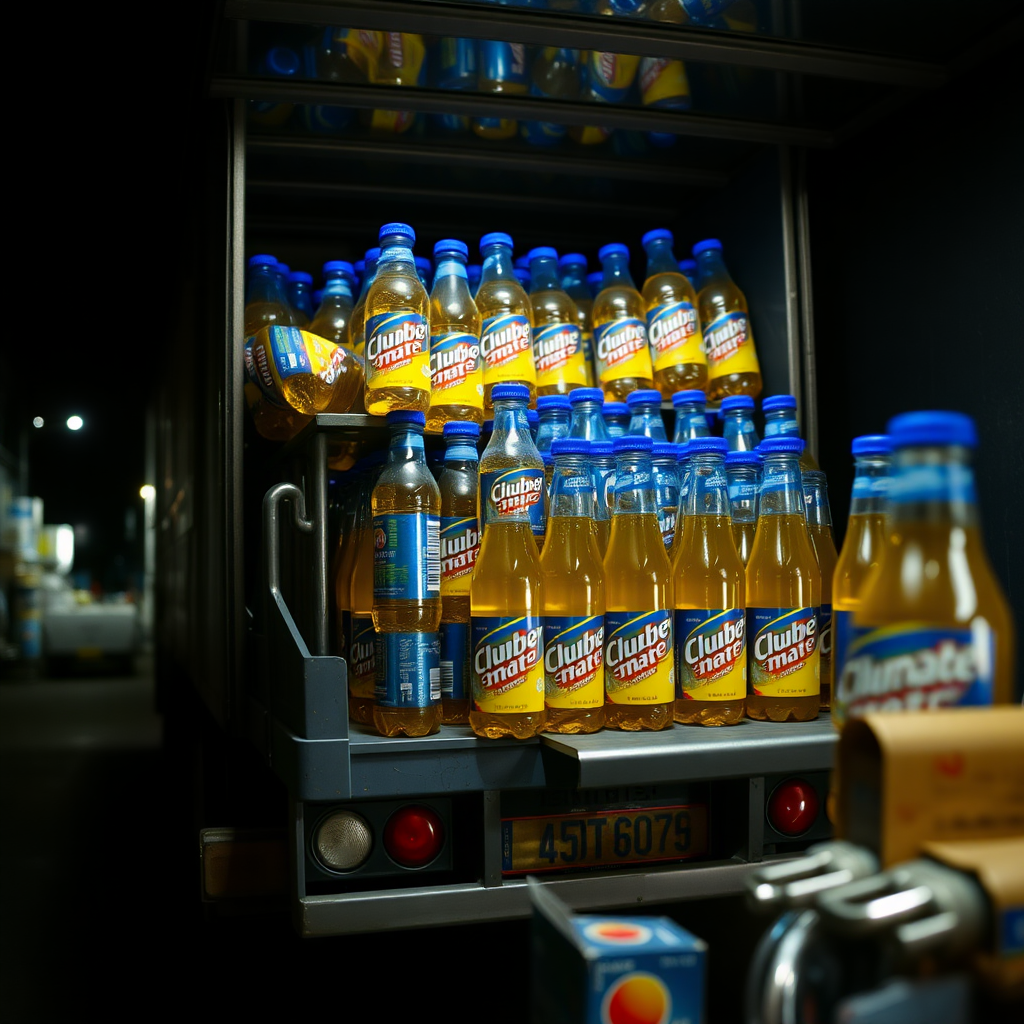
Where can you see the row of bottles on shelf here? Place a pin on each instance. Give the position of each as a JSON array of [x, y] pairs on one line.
[[409, 60], [635, 582], [443, 353]]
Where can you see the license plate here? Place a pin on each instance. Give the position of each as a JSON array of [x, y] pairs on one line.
[[565, 842]]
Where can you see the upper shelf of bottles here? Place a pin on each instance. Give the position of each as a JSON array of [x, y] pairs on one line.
[[801, 72]]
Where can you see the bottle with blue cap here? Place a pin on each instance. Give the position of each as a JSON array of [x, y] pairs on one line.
[[300, 288], [506, 333], [738, 428], [780, 421], [460, 546], [733, 368], [638, 655], [332, 316], [602, 468], [616, 418], [645, 415], [595, 281], [688, 268], [357, 322], [819, 528], [673, 329], [587, 422], [554, 412], [684, 467], [556, 73], [665, 465], [573, 268], [710, 595], [743, 471], [401, 63], [454, 66], [557, 338], [572, 597], [862, 546], [503, 70], [933, 628], [423, 270], [691, 419], [505, 592], [622, 355], [397, 329], [783, 595], [456, 372]]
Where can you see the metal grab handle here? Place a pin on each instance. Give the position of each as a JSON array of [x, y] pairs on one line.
[[797, 883], [271, 534]]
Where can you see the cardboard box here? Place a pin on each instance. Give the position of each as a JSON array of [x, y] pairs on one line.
[[909, 778], [589, 969]]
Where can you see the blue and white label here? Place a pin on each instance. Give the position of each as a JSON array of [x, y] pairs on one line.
[[454, 638], [408, 670], [406, 557], [947, 482]]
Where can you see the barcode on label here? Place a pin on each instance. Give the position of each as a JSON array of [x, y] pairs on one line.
[[447, 677], [433, 555], [435, 683]]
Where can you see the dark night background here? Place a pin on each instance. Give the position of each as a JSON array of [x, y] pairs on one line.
[[918, 243]]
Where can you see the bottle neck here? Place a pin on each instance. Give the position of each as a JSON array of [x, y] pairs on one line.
[[933, 485], [337, 286], [460, 454], [710, 264], [544, 275], [572, 488], [497, 264], [816, 501], [587, 422], [369, 273], [737, 423], [660, 259], [397, 257], [634, 484], [406, 443], [690, 422], [708, 493], [871, 485], [616, 273], [450, 266], [781, 423], [743, 489], [573, 278], [510, 421], [781, 491], [263, 286]]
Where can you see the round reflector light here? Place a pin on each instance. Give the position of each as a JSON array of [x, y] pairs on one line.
[[414, 836], [793, 807], [343, 841]]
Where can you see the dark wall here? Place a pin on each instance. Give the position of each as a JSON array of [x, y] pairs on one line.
[[918, 260]]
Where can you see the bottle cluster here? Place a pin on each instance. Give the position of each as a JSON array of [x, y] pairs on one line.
[[440, 347]]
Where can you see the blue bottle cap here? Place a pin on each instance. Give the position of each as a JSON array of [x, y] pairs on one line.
[[488, 427], [708, 243], [915, 429], [703, 445], [422, 263], [657, 235], [688, 266], [872, 444], [541, 252], [742, 459], [615, 409], [774, 445], [613, 249], [495, 238], [283, 268], [283, 61], [406, 416], [546, 402], [664, 450], [570, 446], [600, 449], [586, 395], [396, 229], [547, 458], [736, 402], [778, 402], [337, 267], [532, 417], [461, 428], [683, 450], [448, 246], [595, 277], [573, 259], [300, 276], [633, 443], [521, 263], [372, 254], [510, 392], [642, 398], [262, 261], [522, 275], [359, 266], [683, 397]]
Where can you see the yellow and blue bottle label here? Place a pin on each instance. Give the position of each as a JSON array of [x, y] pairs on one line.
[[913, 666], [455, 376], [784, 660], [574, 661], [406, 557], [610, 75], [558, 355], [622, 350], [712, 653], [397, 351], [639, 661], [362, 663], [460, 548], [508, 664], [277, 353], [408, 670], [674, 334], [505, 345], [663, 83], [363, 48], [454, 638], [513, 495], [729, 345]]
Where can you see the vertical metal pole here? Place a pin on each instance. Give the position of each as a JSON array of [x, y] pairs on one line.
[[793, 347], [811, 431], [317, 477]]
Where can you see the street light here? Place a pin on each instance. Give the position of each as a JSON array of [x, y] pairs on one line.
[[75, 423]]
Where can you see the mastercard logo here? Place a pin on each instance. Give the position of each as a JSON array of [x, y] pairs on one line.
[[637, 999], [619, 933]]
